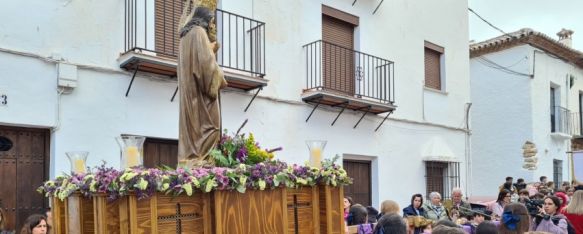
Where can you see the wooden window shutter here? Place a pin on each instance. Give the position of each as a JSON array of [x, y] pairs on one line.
[[433, 66], [158, 152], [338, 55], [166, 26]]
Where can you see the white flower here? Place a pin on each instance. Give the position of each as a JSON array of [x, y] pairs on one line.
[[187, 188], [142, 184], [261, 184]]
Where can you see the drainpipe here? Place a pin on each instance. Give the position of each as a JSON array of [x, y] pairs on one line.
[[468, 149]]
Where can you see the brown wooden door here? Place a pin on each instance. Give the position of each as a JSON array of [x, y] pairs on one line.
[[158, 152], [338, 55], [22, 169], [361, 189]]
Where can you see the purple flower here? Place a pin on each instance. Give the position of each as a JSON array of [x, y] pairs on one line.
[[241, 155]]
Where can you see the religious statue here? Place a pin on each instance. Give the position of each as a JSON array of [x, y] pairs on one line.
[[199, 80]]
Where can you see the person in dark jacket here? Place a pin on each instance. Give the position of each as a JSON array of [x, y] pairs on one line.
[[415, 209], [520, 185]]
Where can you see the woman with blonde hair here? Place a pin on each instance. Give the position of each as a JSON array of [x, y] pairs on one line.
[[574, 211], [388, 207], [515, 219]]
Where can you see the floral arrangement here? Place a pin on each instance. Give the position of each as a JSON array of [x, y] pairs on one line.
[[144, 182], [234, 150]]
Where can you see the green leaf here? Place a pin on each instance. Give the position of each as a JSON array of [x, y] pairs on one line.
[[219, 158]]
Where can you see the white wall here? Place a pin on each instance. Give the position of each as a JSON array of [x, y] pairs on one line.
[[31, 87], [549, 70], [510, 109], [87, 32], [90, 33], [501, 120]]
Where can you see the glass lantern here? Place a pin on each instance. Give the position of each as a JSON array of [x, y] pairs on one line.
[[316, 148], [132, 148], [78, 160]]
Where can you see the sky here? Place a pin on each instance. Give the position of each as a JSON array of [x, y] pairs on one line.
[[546, 16]]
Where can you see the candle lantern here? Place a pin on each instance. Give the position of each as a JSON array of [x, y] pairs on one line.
[[131, 150], [78, 160], [316, 148]]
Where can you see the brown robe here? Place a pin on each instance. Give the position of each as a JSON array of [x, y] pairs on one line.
[[199, 79]]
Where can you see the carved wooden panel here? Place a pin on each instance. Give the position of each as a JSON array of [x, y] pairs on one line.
[[250, 212], [80, 215], [107, 215], [331, 209], [302, 210], [59, 218]]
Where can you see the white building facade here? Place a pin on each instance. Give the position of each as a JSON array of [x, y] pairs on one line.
[[525, 87], [66, 73]]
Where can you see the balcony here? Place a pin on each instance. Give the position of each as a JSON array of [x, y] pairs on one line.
[[342, 77], [151, 43], [561, 122]]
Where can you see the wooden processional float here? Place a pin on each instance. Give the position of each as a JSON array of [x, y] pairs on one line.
[[317, 209]]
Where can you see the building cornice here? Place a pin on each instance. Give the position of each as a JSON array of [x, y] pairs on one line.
[[528, 36]]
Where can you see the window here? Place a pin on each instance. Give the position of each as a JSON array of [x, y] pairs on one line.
[[442, 177], [360, 189], [433, 54], [557, 172], [553, 110]]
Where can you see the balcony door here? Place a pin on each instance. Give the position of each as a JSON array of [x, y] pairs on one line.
[[166, 27], [553, 109], [338, 51]]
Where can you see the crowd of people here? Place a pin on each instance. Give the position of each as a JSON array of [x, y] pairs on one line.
[[539, 207]]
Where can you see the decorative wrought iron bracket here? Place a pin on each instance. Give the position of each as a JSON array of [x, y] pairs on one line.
[[375, 10], [252, 99], [132, 81], [341, 111], [316, 106], [387, 116], [174, 95], [366, 112]]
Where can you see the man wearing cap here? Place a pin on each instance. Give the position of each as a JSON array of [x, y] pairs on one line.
[[479, 214]]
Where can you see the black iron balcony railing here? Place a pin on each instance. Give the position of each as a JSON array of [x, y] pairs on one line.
[[561, 120], [151, 26], [334, 68]]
